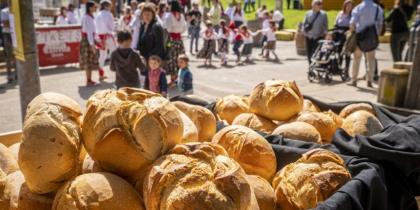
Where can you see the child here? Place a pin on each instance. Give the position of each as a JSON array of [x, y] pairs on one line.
[[125, 20], [270, 46], [326, 47], [224, 35], [248, 38], [265, 25], [209, 46], [104, 28], [156, 77], [185, 77], [195, 23], [237, 41], [126, 62]]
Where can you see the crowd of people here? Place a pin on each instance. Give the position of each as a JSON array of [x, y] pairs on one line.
[[149, 41]]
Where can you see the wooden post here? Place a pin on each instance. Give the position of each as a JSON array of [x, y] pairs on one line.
[[412, 99], [28, 72]]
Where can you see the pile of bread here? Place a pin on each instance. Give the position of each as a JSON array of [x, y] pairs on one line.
[[134, 149]]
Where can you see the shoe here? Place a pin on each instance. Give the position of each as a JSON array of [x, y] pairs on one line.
[[353, 83], [90, 83], [369, 84], [102, 78], [376, 78]]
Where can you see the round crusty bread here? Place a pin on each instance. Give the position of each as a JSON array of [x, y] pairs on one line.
[[228, 107], [249, 149], [90, 166], [356, 107], [20, 197], [203, 119], [323, 122], [14, 149], [197, 176], [100, 190], [133, 127], [309, 106], [4, 198], [190, 133], [311, 179], [299, 131], [255, 122], [362, 123], [263, 191], [51, 138], [8, 163], [276, 100]]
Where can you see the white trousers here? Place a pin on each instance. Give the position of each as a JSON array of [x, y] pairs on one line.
[[370, 57], [103, 53]]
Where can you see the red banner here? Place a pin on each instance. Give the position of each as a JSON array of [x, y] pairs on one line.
[[58, 45]]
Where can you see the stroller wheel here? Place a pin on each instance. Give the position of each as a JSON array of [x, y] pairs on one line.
[[311, 76], [344, 76], [328, 77]]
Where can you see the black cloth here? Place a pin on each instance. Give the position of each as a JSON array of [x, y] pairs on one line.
[[311, 45], [385, 167], [196, 18], [398, 17], [151, 40]]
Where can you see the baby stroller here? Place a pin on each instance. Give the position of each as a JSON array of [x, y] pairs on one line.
[[328, 60]]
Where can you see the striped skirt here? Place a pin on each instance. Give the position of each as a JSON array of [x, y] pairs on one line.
[[88, 59], [176, 49]]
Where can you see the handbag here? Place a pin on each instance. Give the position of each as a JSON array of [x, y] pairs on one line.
[[350, 44], [367, 39], [307, 26]]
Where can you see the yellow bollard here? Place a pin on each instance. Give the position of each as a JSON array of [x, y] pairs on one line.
[[392, 87]]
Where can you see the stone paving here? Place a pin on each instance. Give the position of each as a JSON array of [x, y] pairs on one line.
[[209, 83]]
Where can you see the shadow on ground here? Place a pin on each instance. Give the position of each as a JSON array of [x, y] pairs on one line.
[[86, 91]]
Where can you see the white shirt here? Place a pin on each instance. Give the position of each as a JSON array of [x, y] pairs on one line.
[[221, 35], [249, 39], [271, 35], [123, 25], [260, 13], [266, 24], [277, 16], [104, 22], [4, 15], [135, 27], [88, 27], [209, 35], [172, 25], [229, 11], [238, 17], [61, 20], [71, 18]]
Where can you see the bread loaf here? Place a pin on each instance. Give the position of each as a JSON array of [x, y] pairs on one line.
[[362, 123], [197, 176], [323, 122], [20, 197], [14, 149], [255, 122], [51, 142], [263, 191], [299, 131], [312, 179], [101, 190], [356, 107], [249, 149], [4, 199], [308, 106], [190, 133], [276, 100], [8, 163], [203, 119], [228, 107], [133, 127], [90, 166]]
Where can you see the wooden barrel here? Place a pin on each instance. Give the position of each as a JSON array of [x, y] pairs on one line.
[[392, 87], [403, 65], [300, 42]]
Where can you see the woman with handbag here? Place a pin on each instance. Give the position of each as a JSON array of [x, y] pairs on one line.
[[315, 27], [366, 21]]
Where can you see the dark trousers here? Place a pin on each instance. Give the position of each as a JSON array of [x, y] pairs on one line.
[[236, 46], [288, 4], [281, 24], [10, 59], [398, 41], [195, 36], [311, 45]]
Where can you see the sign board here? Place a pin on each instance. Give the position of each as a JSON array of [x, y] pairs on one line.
[[58, 45], [37, 5], [16, 30]]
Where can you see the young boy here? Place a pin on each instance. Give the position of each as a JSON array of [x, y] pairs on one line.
[[126, 62], [185, 77], [270, 45], [156, 77], [195, 26]]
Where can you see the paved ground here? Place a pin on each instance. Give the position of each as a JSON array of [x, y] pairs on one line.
[[208, 83]]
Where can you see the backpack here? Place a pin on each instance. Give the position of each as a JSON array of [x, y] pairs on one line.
[[367, 39]]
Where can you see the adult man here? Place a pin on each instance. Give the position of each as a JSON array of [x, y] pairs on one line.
[[7, 44], [364, 15], [315, 27], [104, 29]]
